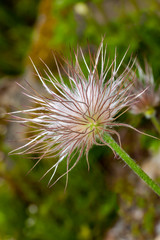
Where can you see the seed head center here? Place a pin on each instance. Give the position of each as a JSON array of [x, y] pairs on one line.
[[93, 124]]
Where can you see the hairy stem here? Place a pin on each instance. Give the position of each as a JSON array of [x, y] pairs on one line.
[[132, 164]]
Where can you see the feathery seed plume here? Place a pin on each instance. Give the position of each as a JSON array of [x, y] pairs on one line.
[[144, 82], [68, 122]]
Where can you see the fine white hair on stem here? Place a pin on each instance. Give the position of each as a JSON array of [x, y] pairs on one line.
[[66, 123]]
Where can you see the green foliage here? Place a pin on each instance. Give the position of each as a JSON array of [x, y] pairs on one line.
[[16, 25], [138, 30], [149, 220], [84, 211], [12, 214]]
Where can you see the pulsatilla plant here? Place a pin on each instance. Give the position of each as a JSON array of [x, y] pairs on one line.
[[81, 112], [148, 101]]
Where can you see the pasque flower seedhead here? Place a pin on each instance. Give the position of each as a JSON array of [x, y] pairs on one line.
[[144, 82], [68, 121]]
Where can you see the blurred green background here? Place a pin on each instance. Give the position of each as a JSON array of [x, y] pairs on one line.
[[109, 202]]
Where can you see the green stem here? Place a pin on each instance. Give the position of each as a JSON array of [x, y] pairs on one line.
[[155, 123], [132, 164]]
